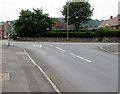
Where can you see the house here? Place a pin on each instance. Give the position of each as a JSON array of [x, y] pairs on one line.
[[112, 22], [59, 23], [3, 30]]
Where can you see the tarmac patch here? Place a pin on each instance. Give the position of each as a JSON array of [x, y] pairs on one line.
[[117, 53], [20, 53], [4, 76]]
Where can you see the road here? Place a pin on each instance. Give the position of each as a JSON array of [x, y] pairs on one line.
[[75, 67]]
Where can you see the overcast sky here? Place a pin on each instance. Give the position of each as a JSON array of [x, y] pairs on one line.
[[10, 9]]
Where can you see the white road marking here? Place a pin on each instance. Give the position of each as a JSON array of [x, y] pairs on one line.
[[84, 59], [40, 46], [72, 54], [43, 72], [80, 57], [59, 49], [51, 45], [37, 46]]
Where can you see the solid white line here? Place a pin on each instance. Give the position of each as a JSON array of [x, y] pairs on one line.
[[59, 49], [46, 76]]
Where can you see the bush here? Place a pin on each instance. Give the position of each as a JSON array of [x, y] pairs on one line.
[[14, 36], [107, 32]]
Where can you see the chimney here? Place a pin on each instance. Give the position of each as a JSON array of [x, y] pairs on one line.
[[111, 17]]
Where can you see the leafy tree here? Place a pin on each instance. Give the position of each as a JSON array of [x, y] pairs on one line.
[[32, 23], [77, 12]]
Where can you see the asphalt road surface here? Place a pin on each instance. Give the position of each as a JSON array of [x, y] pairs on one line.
[[75, 67]]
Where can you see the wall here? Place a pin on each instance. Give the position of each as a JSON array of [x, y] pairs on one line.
[[111, 39]]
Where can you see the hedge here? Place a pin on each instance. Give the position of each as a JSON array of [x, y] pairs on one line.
[[75, 33]]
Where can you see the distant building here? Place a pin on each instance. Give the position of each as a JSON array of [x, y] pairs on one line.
[[59, 23], [112, 22], [3, 30]]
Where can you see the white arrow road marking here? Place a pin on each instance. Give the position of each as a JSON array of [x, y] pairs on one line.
[[37, 46]]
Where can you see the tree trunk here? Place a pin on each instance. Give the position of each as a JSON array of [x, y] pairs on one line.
[[77, 26]]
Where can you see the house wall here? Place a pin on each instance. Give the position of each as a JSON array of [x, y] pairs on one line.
[[3, 30], [119, 27]]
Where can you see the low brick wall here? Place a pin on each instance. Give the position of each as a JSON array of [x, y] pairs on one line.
[[45, 39]]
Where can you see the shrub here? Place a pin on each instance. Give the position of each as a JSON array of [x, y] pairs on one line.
[[14, 36]]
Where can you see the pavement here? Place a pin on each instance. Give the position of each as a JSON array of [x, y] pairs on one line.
[[114, 49], [19, 73]]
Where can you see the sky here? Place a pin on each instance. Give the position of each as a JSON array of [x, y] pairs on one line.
[[10, 9]]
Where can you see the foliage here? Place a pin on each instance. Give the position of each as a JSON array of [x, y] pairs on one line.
[[100, 33], [77, 12], [30, 23], [14, 36], [105, 29]]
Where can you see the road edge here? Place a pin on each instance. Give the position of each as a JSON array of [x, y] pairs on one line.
[[105, 50], [101, 48], [43, 72]]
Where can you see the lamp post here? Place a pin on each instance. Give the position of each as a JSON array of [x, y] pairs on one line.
[[67, 20]]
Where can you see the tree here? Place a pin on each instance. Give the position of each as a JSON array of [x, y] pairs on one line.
[[32, 23], [77, 13]]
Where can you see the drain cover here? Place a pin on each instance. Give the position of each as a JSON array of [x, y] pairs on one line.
[[5, 76]]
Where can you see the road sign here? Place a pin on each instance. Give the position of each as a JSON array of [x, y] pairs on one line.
[[9, 23]]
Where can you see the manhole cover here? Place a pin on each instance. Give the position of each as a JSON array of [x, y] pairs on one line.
[[5, 76]]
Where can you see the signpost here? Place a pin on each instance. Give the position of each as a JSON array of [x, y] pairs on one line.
[[9, 25]]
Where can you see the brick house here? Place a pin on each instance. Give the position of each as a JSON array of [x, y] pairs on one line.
[[60, 24], [3, 30], [112, 22]]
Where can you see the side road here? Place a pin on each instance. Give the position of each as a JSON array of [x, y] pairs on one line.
[[19, 73], [114, 49]]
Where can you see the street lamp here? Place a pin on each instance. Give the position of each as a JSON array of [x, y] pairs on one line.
[[67, 20]]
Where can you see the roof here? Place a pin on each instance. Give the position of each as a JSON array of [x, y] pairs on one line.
[[110, 22], [58, 23]]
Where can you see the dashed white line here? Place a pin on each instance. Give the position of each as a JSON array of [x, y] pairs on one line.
[[72, 54], [84, 59], [80, 57], [59, 49], [51, 45], [40, 46]]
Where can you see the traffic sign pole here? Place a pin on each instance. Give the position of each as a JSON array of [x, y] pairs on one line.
[[9, 31]]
